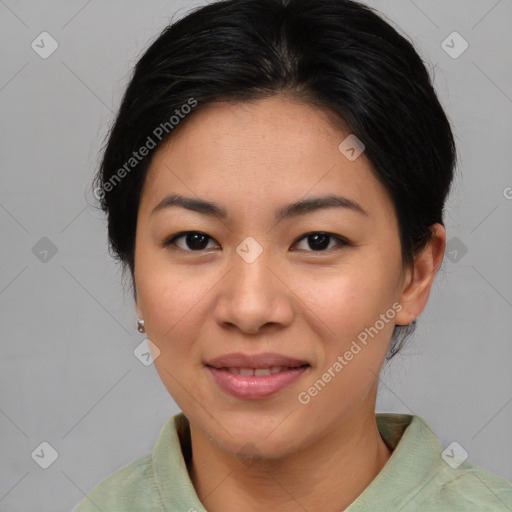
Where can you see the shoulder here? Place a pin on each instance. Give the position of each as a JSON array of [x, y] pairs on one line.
[[467, 488], [130, 489], [419, 477]]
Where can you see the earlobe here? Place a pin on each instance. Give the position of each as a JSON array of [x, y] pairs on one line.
[[420, 278]]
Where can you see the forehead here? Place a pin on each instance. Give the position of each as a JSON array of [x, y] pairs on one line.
[[272, 150]]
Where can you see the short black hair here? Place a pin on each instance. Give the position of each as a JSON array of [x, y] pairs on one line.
[[338, 54]]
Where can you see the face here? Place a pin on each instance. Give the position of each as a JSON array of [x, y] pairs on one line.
[[299, 288]]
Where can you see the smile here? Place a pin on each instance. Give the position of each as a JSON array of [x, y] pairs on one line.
[[256, 383]]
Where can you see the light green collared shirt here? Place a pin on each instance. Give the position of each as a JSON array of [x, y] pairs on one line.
[[417, 477]]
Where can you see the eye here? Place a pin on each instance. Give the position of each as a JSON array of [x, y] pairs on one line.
[[319, 241], [196, 240]]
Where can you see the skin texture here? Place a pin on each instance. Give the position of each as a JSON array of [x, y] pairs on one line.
[[252, 158]]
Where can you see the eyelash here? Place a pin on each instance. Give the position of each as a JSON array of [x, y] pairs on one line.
[[340, 241]]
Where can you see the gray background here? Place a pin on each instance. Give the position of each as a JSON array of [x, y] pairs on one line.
[[68, 374]]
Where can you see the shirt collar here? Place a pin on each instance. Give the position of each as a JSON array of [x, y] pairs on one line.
[[415, 453]]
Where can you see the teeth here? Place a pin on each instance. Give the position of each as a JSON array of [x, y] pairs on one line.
[[249, 372], [262, 371]]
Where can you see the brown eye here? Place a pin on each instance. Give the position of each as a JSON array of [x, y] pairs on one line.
[[320, 241], [193, 241], [196, 241]]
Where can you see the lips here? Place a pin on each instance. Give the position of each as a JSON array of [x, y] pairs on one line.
[[239, 361], [255, 377]]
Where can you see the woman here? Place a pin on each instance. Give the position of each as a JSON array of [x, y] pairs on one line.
[[275, 183]]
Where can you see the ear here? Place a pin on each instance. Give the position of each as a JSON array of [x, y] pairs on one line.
[[419, 279]]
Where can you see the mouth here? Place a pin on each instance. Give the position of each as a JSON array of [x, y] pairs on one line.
[[267, 360], [255, 377], [258, 372]]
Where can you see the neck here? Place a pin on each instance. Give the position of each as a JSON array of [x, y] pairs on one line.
[[327, 475]]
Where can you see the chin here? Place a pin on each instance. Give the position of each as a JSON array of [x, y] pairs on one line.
[[252, 449], [255, 442]]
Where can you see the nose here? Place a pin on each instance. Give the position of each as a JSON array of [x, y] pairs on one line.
[[254, 297]]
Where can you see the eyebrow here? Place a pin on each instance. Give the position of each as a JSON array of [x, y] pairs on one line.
[[300, 207]]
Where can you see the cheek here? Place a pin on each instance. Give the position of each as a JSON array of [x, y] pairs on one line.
[[171, 300], [348, 298], [172, 306], [350, 303]]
